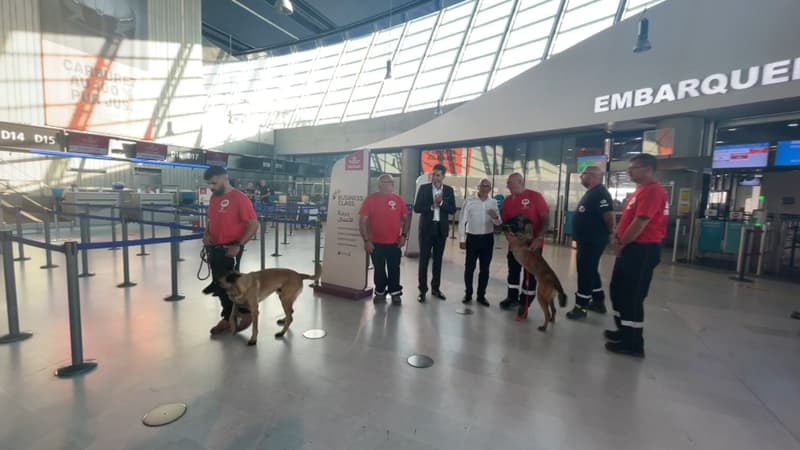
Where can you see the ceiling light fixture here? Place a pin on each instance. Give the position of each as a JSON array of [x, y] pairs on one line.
[[388, 70], [793, 124], [732, 129], [643, 38], [284, 7]]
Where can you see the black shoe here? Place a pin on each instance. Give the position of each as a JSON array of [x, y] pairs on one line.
[[599, 308], [438, 294], [509, 303], [612, 335], [467, 299], [379, 299], [210, 288], [577, 313], [483, 301], [623, 348], [421, 297], [397, 300]]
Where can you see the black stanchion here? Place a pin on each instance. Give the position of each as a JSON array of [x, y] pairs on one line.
[[79, 365], [173, 263], [83, 220], [142, 250], [47, 253], [14, 334], [277, 229], [285, 239], [20, 246], [126, 273], [263, 232], [113, 228], [178, 222], [152, 224]]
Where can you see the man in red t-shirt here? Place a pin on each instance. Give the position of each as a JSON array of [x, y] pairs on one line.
[[384, 223], [532, 205], [637, 244], [231, 224]]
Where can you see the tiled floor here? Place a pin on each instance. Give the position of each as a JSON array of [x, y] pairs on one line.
[[722, 368]]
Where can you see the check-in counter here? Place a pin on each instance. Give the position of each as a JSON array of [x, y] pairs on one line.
[[100, 202], [132, 201]]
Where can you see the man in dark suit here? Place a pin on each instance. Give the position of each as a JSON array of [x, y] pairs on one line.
[[435, 202]]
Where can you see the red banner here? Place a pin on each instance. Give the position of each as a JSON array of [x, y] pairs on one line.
[[451, 159]]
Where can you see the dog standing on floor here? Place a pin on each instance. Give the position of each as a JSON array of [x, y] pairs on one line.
[[250, 288], [519, 234]]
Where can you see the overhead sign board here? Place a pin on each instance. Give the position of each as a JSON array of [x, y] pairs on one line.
[[28, 137]]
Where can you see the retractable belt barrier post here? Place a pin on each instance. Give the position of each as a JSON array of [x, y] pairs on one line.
[[263, 232], [277, 229], [83, 220], [14, 334], [285, 226], [113, 228], [20, 247], [78, 366], [126, 281], [173, 263], [152, 224], [178, 222], [47, 253], [142, 250]]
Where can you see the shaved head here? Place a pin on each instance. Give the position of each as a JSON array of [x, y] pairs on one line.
[[515, 183], [591, 176]]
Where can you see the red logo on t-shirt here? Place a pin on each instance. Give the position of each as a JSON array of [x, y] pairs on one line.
[[525, 202], [392, 204]]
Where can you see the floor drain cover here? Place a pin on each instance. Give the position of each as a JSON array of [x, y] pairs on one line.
[[315, 334], [464, 311], [420, 361], [164, 414]]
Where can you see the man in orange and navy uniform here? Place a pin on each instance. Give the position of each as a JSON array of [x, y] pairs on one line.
[[637, 244], [231, 224], [532, 205]]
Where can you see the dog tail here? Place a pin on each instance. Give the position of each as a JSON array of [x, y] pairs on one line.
[[317, 273], [562, 296]]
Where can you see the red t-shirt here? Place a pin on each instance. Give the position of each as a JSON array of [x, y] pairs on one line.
[[384, 212], [649, 200], [228, 215], [528, 203]]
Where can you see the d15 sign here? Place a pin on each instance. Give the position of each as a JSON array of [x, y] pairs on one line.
[[28, 137]]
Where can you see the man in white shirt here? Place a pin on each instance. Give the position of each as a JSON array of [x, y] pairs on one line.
[[476, 234]]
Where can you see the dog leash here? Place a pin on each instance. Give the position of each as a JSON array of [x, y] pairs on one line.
[[203, 262]]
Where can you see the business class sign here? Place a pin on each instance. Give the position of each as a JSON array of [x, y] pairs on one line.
[[784, 71]]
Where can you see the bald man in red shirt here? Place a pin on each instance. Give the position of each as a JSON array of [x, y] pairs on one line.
[[637, 244]]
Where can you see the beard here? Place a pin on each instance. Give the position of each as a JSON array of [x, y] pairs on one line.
[[218, 192]]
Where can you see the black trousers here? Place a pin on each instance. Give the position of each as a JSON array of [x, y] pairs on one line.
[[479, 248], [386, 261], [431, 244], [220, 265], [528, 285], [630, 283], [590, 287]]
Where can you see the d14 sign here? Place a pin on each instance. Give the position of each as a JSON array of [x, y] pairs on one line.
[[28, 137]]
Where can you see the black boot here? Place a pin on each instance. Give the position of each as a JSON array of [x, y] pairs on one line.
[[579, 311], [511, 301], [632, 343], [598, 302]]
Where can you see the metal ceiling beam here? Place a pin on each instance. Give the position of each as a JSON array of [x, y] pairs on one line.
[[264, 19]]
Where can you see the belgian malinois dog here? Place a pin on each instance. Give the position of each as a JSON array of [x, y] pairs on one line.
[[519, 233], [250, 288]]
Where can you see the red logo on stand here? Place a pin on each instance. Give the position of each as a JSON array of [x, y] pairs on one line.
[[354, 161]]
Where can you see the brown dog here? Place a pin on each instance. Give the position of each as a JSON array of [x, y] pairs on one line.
[[519, 233], [250, 288]]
